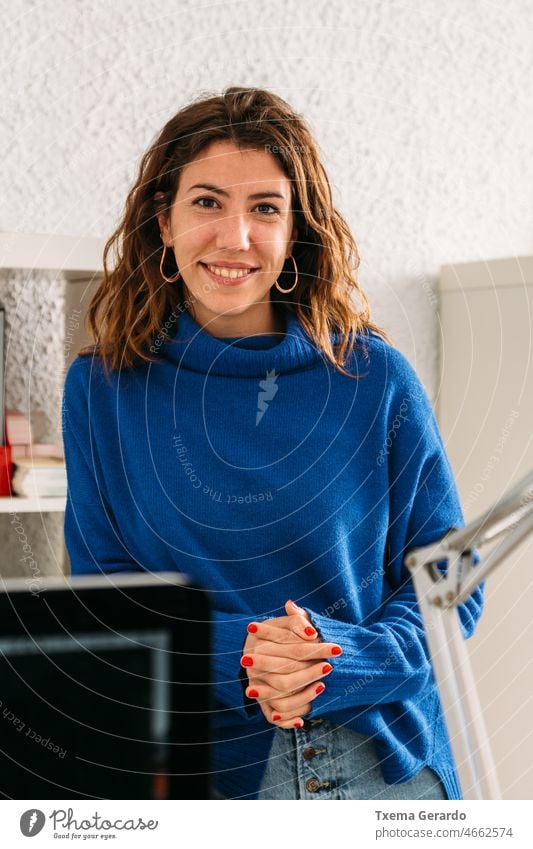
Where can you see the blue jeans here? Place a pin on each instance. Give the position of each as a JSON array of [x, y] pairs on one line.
[[325, 761]]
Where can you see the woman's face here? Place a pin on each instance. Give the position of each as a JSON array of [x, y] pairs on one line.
[[232, 211]]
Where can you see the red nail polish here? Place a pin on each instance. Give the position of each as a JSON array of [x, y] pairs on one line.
[[276, 717], [320, 688], [336, 650], [326, 668], [247, 660], [252, 628], [310, 631], [297, 724], [253, 694]]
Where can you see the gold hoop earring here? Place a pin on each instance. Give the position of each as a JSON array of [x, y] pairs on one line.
[[286, 291], [168, 279]]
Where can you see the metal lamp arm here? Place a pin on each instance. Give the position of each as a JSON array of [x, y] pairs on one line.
[[439, 596], [511, 517]]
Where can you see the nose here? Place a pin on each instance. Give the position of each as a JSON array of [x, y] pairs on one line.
[[233, 232]]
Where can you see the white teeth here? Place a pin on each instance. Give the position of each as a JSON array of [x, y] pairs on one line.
[[229, 272]]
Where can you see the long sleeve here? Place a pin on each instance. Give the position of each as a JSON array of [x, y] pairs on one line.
[[95, 544], [386, 659]]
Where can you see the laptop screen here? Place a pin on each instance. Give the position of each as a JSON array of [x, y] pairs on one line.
[[105, 688]]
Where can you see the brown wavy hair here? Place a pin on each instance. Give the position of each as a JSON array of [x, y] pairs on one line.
[[129, 309]]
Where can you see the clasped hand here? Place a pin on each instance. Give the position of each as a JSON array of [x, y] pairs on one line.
[[285, 659]]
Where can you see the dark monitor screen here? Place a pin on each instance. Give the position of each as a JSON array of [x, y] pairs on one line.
[[105, 688]]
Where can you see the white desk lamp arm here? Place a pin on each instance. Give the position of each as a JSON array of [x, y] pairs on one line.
[[511, 516], [438, 597]]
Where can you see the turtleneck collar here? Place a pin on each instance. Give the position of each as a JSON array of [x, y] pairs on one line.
[[194, 349]]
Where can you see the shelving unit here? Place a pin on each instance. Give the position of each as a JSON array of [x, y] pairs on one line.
[[78, 261]]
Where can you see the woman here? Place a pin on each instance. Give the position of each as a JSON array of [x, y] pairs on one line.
[[240, 418]]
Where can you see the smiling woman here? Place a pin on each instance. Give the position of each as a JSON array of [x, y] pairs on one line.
[[253, 430], [231, 181]]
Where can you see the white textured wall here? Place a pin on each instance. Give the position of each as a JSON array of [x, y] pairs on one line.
[[420, 109]]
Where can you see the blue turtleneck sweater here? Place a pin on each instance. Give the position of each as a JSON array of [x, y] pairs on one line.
[[258, 469]]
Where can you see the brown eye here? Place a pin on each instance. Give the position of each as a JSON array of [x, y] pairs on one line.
[[198, 202], [269, 206]]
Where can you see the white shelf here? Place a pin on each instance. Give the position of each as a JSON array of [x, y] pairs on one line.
[[70, 254], [18, 504], [79, 259]]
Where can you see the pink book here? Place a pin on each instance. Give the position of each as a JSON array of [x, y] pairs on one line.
[[38, 449], [18, 428]]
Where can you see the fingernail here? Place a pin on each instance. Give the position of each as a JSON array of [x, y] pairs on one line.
[[320, 688], [326, 668], [296, 605], [253, 694], [336, 650], [252, 628], [247, 660], [310, 631], [276, 717], [297, 724]]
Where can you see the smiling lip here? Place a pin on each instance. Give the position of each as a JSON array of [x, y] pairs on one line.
[[228, 281]]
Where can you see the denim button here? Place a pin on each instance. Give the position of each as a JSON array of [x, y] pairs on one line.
[[309, 753], [312, 785]]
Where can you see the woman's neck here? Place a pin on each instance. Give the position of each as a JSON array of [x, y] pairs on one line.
[[260, 319]]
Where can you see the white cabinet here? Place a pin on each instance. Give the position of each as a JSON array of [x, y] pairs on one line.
[[485, 411]]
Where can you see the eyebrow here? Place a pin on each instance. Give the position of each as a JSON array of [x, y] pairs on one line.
[[218, 190]]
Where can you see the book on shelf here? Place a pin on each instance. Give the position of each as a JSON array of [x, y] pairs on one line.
[[40, 477], [37, 449], [18, 428], [5, 448], [2, 370]]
